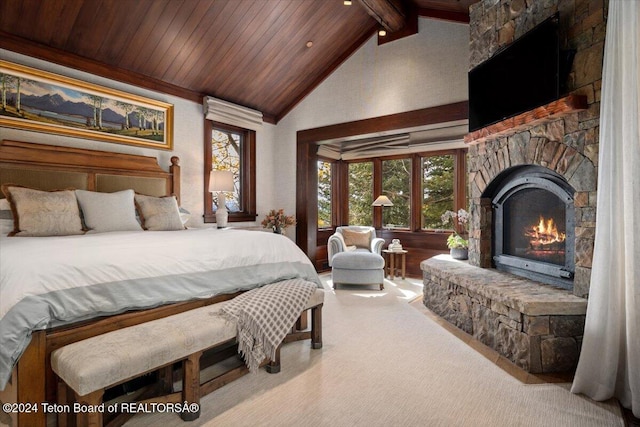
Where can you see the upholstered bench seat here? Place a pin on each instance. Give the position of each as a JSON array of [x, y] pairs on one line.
[[94, 364], [358, 268]]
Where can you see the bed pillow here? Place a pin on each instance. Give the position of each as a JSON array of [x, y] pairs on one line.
[[6, 218], [38, 213], [359, 239], [104, 212], [159, 213], [184, 216]]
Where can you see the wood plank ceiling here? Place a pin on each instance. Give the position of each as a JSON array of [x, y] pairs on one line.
[[250, 52]]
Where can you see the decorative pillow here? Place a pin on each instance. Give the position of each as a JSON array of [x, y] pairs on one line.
[[159, 213], [40, 213], [105, 212], [6, 218], [359, 239], [184, 216]]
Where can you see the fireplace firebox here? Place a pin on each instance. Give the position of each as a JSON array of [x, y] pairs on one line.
[[533, 225]]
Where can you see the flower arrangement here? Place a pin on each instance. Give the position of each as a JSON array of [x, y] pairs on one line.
[[277, 220], [458, 222]]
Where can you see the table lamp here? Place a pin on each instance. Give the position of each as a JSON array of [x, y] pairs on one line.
[[221, 181]]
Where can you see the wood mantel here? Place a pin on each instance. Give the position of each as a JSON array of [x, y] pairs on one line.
[[553, 110]]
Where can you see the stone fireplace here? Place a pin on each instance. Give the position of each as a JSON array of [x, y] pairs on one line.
[[532, 183]]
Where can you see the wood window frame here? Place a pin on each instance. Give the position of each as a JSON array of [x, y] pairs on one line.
[[415, 208], [247, 153]]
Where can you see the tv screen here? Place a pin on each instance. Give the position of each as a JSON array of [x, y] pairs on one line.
[[522, 76]]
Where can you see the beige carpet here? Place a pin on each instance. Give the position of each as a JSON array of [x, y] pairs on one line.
[[386, 363]]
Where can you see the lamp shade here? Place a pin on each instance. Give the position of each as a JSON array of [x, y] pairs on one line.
[[382, 201], [221, 181]]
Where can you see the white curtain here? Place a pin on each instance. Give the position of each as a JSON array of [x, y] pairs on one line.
[[609, 363]]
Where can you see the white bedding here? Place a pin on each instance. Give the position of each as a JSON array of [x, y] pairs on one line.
[[65, 279]]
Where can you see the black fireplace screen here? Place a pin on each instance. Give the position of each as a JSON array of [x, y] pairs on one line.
[[533, 225]]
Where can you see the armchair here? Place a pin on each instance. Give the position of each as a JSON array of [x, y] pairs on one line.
[[354, 238], [354, 254]]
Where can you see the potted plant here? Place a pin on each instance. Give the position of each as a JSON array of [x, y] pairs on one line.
[[457, 244], [278, 221]]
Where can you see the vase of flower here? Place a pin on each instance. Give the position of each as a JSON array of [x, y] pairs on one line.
[[278, 221], [458, 245]]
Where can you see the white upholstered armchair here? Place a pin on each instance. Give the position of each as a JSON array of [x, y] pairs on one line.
[[354, 238], [355, 256]]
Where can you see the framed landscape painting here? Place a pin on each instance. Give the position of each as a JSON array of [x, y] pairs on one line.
[[45, 102]]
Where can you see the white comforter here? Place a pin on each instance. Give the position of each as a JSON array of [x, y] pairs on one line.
[[59, 280]]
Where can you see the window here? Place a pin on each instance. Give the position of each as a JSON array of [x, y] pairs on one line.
[[360, 193], [421, 186], [396, 185], [232, 149], [324, 194], [437, 189]]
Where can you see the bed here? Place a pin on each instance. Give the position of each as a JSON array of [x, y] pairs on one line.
[[74, 287]]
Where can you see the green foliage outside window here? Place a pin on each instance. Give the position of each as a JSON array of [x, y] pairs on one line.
[[360, 193], [324, 194], [225, 156], [437, 189], [396, 184]]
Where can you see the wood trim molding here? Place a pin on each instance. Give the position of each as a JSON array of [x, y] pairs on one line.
[[553, 110], [444, 15], [389, 13], [425, 116]]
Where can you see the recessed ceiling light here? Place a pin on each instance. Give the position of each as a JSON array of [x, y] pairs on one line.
[[309, 43], [382, 32], [347, 2]]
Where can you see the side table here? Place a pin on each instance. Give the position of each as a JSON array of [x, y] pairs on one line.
[[391, 260]]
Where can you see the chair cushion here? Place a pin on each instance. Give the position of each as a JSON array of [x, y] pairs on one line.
[[358, 261], [359, 239]]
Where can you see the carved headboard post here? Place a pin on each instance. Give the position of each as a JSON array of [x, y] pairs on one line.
[[174, 170]]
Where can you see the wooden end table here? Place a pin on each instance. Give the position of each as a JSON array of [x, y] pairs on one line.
[[390, 262]]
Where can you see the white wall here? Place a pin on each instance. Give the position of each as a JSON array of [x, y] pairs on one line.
[[188, 139], [420, 71]]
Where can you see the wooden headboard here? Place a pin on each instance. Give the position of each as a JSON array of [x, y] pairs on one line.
[[50, 167]]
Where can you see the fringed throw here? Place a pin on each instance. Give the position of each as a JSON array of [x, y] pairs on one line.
[[265, 315]]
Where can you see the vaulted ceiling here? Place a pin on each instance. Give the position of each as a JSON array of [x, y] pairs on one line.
[[254, 53]]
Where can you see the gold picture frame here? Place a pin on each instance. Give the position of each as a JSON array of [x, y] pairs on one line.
[[40, 101]]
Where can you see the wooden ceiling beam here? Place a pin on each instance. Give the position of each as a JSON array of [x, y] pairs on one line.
[[391, 14]]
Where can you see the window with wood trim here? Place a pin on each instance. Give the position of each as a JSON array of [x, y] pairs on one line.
[[325, 193], [396, 185], [421, 186], [231, 148], [438, 183], [360, 193]]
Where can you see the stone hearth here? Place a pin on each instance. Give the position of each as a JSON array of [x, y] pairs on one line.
[[539, 328]]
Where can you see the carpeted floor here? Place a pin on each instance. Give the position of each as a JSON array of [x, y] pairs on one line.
[[389, 362]]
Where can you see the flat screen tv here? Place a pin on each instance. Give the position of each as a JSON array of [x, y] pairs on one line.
[[522, 76]]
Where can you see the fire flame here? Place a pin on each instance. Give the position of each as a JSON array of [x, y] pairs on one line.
[[545, 233]]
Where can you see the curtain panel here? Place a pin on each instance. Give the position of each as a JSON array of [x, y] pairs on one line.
[[609, 363]]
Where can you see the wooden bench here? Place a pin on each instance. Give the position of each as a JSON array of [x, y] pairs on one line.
[[86, 368]]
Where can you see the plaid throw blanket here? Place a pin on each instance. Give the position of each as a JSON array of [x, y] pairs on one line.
[[265, 315]]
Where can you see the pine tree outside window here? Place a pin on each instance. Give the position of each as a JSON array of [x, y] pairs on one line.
[[324, 194], [360, 193], [437, 189]]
